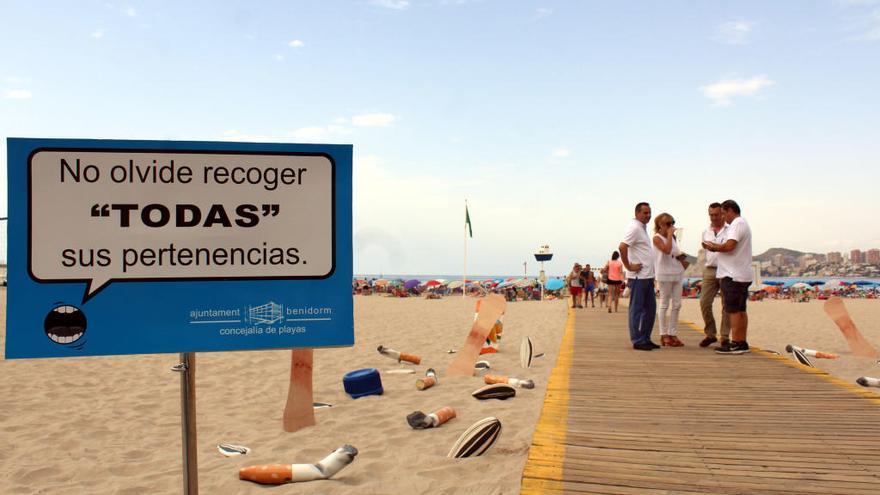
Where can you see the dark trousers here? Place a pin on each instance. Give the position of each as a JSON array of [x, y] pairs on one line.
[[642, 309]]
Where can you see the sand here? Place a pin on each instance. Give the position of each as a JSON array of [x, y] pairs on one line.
[[773, 324], [112, 424]]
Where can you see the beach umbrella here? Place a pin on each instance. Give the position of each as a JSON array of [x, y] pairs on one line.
[[771, 289], [525, 282], [862, 283], [773, 282], [455, 284], [409, 284], [504, 285], [554, 284], [433, 283], [801, 285], [832, 284], [381, 281]]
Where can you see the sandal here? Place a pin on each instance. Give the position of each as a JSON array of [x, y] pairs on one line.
[[676, 342]]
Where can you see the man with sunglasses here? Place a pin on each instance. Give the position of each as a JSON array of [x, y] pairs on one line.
[[638, 259], [735, 272]]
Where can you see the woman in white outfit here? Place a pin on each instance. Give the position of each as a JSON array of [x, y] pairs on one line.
[[669, 265]]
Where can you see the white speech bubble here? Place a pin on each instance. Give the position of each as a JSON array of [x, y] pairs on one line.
[[103, 216]]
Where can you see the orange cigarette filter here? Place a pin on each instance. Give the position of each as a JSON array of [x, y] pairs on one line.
[[425, 383], [267, 474], [826, 355], [410, 358], [443, 414], [490, 379]]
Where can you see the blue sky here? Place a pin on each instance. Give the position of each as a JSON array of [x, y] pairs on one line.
[[552, 118]]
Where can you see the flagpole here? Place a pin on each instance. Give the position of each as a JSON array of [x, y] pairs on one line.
[[464, 270]]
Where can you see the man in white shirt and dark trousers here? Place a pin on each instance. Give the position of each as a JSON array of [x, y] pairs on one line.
[[638, 259], [735, 272], [710, 287]]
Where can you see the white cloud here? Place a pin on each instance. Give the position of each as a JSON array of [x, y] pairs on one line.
[[873, 32], [278, 57], [17, 94], [734, 32], [131, 12], [340, 120], [392, 4], [542, 12], [97, 34], [865, 18], [320, 133], [722, 92], [561, 153], [373, 120], [296, 44]]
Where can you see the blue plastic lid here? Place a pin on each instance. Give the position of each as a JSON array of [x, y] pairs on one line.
[[357, 374], [363, 382]]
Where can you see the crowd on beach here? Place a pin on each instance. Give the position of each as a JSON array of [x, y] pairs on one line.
[[513, 289]]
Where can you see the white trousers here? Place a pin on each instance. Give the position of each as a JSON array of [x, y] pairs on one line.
[[670, 299]]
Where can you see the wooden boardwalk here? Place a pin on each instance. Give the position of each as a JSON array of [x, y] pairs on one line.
[[686, 420]]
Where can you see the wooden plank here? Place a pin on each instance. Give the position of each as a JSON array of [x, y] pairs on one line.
[[659, 423]]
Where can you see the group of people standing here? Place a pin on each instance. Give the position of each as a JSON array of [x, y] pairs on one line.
[[582, 281], [658, 259]]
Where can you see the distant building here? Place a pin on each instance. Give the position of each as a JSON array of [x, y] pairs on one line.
[[835, 257], [805, 260], [873, 257], [821, 258], [855, 256], [778, 260]]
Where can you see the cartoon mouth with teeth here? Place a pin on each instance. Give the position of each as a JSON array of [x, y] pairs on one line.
[[65, 324]]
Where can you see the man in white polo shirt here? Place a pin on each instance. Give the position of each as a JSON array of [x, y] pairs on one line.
[[638, 259], [710, 287], [735, 272]]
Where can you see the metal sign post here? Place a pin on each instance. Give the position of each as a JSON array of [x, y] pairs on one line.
[[187, 370]]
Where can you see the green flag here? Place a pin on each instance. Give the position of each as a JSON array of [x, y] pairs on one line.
[[467, 221]]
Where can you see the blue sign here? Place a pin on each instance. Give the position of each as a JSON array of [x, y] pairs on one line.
[[133, 247]]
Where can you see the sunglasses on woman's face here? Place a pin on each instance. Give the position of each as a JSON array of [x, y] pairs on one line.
[[670, 223]]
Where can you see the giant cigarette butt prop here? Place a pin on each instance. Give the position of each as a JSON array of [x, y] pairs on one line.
[[837, 311], [491, 308], [277, 474], [299, 411]]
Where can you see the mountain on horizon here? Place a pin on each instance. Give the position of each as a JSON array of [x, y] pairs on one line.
[[785, 252]]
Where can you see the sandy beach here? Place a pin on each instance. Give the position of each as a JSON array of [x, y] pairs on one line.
[[112, 424]]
